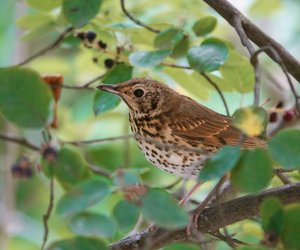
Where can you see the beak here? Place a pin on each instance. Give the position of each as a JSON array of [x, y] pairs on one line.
[[112, 88]]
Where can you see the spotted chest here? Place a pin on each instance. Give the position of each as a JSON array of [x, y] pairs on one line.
[[164, 150]]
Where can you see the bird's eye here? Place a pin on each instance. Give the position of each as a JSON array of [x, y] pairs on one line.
[[138, 92]]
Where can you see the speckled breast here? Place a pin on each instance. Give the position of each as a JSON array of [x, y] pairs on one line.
[[165, 150]]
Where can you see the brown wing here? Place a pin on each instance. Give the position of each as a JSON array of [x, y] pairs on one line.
[[195, 122]]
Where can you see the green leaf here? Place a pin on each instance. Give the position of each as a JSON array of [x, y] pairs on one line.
[[271, 212], [148, 59], [220, 163], [205, 26], [33, 20], [120, 73], [291, 227], [105, 101], [266, 8], [69, 168], [251, 120], [24, 97], [253, 171], [160, 208], [90, 224], [126, 214], [194, 83], [285, 149], [238, 72], [79, 12], [82, 196], [181, 246], [78, 243], [181, 48], [44, 5], [168, 39], [126, 177], [208, 57], [252, 248]]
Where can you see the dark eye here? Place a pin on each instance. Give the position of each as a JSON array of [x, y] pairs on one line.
[[138, 92]]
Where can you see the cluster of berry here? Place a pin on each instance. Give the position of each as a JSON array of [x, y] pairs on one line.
[[23, 168], [288, 115], [90, 37]]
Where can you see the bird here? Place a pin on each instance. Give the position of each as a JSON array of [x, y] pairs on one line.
[[174, 132]]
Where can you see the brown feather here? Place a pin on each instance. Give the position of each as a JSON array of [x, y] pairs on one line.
[[192, 121]]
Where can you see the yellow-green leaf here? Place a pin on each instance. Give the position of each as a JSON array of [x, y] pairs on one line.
[[251, 120]]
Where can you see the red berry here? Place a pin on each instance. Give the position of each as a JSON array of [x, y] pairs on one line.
[[288, 116], [273, 117]]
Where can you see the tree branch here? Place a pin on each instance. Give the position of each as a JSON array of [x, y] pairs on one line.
[[47, 48], [209, 221], [19, 141], [256, 35]]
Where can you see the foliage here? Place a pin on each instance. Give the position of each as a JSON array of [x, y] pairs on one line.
[[91, 211]]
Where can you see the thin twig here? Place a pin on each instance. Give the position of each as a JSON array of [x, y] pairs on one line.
[[48, 213], [284, 178], [135, 20], [238, 25], [210, 81], [73, 87], [80, 143], [99, 171], [19, 141], [47, 48], [94, 80], [278, 60], [219, 92]]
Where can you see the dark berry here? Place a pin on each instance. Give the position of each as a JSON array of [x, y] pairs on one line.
[[288, 116], [24, 162], [273, 117], [90, 36], [279, 105], [49, 154], [16, 171], [28, 173], [81, 35], [102, 45], [109, 63], [95, 59]]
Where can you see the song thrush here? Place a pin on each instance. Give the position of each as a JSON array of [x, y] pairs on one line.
[[175, 132]]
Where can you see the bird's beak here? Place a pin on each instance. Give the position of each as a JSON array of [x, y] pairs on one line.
[[112, 88]]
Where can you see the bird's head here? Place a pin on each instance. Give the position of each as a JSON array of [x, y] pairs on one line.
[[144, 96]]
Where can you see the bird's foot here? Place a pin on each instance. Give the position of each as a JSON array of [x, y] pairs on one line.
[[193, 224]]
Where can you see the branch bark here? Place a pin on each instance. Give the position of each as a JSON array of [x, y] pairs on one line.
[[209, 221], [256, 35]]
